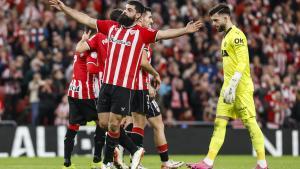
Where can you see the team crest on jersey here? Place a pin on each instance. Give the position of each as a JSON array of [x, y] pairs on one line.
[[104, 41], [94, 55]]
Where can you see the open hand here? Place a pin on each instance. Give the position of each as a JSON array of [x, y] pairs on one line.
[[86, 35], [56, 4], [194, 26]]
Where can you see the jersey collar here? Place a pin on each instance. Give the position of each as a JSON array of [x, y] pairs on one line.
[[228, 31]]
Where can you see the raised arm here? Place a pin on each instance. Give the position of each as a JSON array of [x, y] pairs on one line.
[[78, 16], [82, 45], [191, 27]]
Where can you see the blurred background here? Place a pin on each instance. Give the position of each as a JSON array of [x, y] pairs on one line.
[[37, 46]]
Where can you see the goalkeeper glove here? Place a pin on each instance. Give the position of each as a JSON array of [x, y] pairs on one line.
[[229, 93]]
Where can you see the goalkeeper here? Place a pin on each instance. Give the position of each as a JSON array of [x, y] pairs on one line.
[[236, 98]]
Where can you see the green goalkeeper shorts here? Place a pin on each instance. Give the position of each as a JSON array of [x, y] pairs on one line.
[[243, 107]]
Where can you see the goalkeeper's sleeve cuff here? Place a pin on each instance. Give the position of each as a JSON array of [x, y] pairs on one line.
[[235, 79]]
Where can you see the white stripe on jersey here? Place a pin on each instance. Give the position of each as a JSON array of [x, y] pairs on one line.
[[116, 75], [95, 86], [87, 85], [141, 79], [73, 84], [80, 89], [140, 55], [132, 51], [112, 50]]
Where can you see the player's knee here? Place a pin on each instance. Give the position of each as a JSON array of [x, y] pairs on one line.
[[114, 127], [220, 123], [158, 126], [250, 122], [103, 124]]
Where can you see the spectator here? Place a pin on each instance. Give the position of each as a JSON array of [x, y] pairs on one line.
[[296, 108], [34, 99], [179, 98], [62, 112], [47, 103]]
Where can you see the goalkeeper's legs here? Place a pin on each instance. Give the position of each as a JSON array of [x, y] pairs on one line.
[[217, 139], [69, 143], [215, 145], [257, 139]]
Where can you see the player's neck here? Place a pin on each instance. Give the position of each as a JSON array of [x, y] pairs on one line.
[[228, 26]]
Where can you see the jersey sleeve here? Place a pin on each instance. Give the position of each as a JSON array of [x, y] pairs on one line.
[[148, 34], [93, 42], [103, 26], [240, 47], [92, 63]]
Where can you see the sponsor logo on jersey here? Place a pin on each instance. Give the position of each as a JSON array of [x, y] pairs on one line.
[[121, 42], [74, 88], [239, 41]]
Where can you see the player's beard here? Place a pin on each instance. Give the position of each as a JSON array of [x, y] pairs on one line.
[[125, 20], [221, 28]]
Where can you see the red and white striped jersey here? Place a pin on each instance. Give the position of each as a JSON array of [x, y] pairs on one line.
[[85, 84], [124, 51], [143, 78], [98, 43]]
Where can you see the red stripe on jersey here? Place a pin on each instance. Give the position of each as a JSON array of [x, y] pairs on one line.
[[111, 50], [115, 58]]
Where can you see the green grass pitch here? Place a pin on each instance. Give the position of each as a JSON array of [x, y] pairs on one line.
[[152, 162]]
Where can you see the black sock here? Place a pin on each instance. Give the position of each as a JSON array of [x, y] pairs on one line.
[[99, 140], [163, 152], [69, 145], [112, 140], [128, 129], [127, 143], [137, 136], [164, 157]]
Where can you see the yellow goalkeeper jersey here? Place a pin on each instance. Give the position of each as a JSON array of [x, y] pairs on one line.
[[235, 54]]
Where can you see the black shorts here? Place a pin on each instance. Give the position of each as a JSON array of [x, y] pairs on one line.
[[142, 103], [114, 99], [82, 110]]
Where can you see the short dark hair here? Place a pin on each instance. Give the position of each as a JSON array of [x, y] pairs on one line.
[[220, 9], [148, 9], [139, 7], [115, 14]]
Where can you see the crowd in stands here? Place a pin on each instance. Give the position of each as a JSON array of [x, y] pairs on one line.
[[37, 45]]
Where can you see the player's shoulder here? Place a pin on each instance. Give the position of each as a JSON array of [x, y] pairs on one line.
[[236, 32], [109, 22], [144, 28], [100, 36]]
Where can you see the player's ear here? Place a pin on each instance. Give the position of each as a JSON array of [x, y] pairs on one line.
[[138, 16]]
